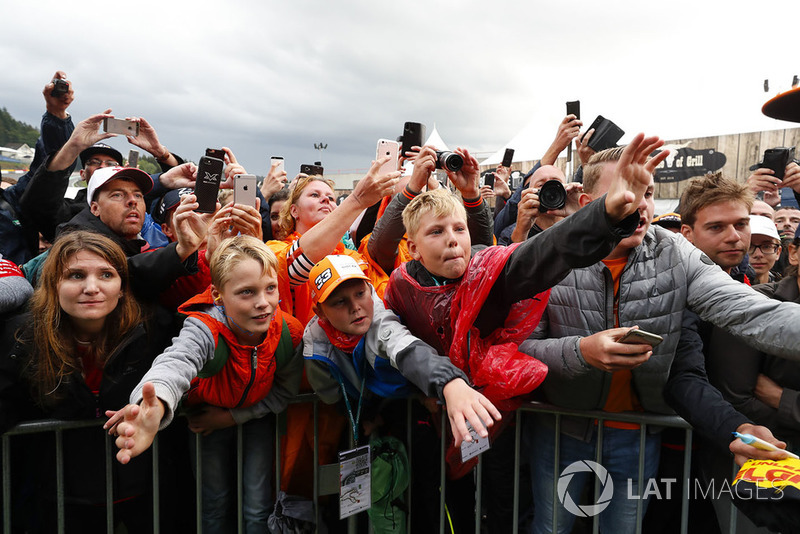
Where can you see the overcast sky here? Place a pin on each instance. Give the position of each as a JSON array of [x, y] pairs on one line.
[[273, 78]]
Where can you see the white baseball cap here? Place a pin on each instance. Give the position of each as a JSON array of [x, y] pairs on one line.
[[103, 175], [760, 225]]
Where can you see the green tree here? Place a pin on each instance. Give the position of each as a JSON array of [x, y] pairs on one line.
[[14, 131]]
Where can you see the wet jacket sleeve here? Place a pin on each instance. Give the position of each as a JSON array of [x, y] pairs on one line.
[[539, 263]]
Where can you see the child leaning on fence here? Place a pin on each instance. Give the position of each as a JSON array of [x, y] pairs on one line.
[[234, 359]]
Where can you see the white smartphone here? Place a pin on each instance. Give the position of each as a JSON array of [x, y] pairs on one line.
[[121, 126], [244, 189], [276, 159], [390, 148]]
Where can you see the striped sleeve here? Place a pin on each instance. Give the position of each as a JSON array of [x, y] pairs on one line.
[[299, 266]]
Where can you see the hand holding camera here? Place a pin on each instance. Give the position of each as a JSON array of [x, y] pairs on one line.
[[424, 165], [465, 178], [58, 95]]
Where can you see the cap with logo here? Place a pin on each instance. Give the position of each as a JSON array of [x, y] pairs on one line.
[[104, 174], [326, 275], [100, 148], [760, 225], [168, 201]]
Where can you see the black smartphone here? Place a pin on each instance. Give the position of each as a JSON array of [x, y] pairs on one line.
[[215, 153], [606, 134], [508, 157], [413, 135], [209, 176], [488, 179], [574, 108], [777, 159], [636, 336], [133, 158], [311, 170]]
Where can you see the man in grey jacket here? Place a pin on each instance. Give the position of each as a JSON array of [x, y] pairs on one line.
[[648, 281]]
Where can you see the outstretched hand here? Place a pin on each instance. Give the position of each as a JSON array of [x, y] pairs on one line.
[[465, 404], [374, 186], [633, 174], [136, 425]]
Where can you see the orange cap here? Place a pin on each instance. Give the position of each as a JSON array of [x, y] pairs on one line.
[[326, 275]]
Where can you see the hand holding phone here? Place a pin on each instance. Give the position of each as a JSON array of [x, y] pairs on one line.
[[244, 189], [637, 336], [389, 148], [120, 126]]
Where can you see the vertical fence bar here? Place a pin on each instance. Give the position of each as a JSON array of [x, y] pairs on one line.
[[60, 480], [156, 489], [6, 485], [443, 468], [556, 462], [687, 468], [478, 493], [317, 511], [198, 495], [639, 504], [734, 510], [109, 487], [239, 479], [598, 457], [515, 524], [278, 453], [409, 422]]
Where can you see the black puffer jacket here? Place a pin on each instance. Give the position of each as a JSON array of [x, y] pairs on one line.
[[84, 449]]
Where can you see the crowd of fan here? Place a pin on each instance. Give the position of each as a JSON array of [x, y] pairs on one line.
[[144, 309]]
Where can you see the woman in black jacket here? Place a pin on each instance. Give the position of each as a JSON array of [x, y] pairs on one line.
[[79, 350]]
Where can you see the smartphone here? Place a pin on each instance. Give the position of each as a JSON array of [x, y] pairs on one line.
[[574, 108], [276, 159], [215, 153], [413, 135], [508, 157], [209, 176], [133, 158], [244, 189], [488, 179], [121, 126], [777, 159], [388, 148], [311, 170], [636, 335]]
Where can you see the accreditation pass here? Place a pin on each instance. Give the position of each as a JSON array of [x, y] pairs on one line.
[[471, 449], [354, 481]]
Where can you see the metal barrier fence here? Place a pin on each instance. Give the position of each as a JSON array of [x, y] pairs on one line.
[[331, 471]]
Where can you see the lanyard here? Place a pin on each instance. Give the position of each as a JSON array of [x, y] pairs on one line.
[[354, 421]]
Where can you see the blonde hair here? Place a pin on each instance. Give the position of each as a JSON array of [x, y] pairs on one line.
[[233, 251], [53, 334], [594, 167], [437, 203], [288, 224], [711, 189]]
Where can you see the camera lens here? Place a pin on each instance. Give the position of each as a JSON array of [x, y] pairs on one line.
[[449, 160], [552, 196]]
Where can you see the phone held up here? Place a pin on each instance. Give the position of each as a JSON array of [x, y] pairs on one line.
[[574, 108], [508, 157], [413, 135], [488, 179], [215, 153], [389, 148], [209, 176], [244, 189], [120, 126], [276, 159], [637, 336], [133, 158]]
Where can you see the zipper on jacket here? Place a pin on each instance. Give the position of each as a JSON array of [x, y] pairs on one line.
[[253, 367]]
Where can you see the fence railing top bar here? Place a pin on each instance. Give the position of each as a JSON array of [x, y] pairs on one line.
[[625, 417]]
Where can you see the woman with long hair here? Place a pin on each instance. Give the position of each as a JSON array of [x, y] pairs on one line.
[[80, 349]]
